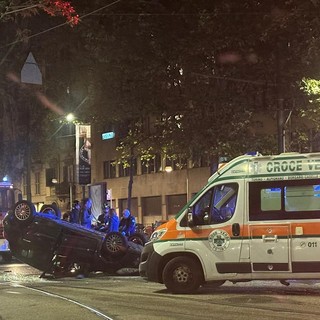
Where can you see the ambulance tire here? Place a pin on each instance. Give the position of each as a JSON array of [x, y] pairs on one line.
[[182, 275]]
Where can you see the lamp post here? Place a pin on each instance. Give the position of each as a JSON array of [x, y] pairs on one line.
[[70, 118]]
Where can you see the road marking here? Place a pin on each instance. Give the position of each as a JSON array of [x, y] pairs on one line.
[[98, 313]]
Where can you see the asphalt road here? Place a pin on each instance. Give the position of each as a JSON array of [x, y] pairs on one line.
[[23, 295]]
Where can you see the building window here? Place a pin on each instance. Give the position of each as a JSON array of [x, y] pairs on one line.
[[175, 203], [37, 182], [151, 206], [177, 164], [125, 171], [24, 186], [109, 169], [123, 204], [50, 174], [151, 166], [65, 172]]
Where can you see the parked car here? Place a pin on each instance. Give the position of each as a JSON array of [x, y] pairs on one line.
[[54, 246]]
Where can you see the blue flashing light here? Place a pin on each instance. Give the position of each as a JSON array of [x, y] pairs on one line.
[[253, 153]]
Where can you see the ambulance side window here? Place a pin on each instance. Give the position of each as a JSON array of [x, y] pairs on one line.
[[201, 209], [284, 200], [217, 205]]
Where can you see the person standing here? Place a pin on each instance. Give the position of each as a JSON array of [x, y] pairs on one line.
[[113, 221], [128, 223], [85, 213], [75, 212], [104, 216]]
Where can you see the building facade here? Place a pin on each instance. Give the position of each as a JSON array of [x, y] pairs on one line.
[[157, 195]]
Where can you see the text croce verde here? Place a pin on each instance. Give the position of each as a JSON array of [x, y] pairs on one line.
[[293, 165]]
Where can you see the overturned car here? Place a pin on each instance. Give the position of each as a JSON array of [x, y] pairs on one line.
[[45, 242]]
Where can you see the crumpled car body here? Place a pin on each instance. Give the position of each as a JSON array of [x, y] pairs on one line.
[[57, 247]]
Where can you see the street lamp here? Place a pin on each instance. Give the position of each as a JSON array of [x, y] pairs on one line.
[[70, 117]]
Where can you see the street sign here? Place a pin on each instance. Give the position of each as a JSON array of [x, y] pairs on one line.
[[108, 135], [30, 72]]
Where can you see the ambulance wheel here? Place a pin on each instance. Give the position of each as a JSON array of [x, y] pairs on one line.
[[182, 275], [24, 211]]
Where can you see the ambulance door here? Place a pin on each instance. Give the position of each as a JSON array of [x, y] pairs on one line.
[[217, 219], [269, 247], [269, 235]]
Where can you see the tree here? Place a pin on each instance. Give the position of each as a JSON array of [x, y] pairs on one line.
[[199, 71], [17, 21]]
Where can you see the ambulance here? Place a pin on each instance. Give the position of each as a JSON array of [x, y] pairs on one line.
[[8, 197], [257, 218]]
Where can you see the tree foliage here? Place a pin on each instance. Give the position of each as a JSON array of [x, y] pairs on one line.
[[203, 70], [22, 114], [181, 77]]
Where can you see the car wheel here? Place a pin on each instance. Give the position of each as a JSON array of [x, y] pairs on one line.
[[182, 275], [138, 238], [51, 209], [24, 211], [115, 244]]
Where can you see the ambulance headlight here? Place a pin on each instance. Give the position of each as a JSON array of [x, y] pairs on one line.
[[156, 235]]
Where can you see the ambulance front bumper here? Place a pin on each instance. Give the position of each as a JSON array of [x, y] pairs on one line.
[[150, 263]]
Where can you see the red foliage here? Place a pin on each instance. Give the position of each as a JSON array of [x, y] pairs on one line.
[[59, 7]]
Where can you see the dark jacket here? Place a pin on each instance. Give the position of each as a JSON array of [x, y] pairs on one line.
[[75, 215], [85, 218], [128, 226]]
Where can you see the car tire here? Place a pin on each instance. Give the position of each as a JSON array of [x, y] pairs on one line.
[[51, 209], [182, 275], [24, 211], [138, 238], [115, 244]]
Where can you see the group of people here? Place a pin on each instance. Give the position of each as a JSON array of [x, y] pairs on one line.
[[108, 221]]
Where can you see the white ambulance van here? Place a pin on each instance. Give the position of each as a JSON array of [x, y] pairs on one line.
[[258, 218]]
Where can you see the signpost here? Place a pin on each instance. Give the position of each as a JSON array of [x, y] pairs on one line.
[[30, 74]]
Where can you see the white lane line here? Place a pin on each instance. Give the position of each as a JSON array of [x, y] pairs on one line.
[[98, 313]]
